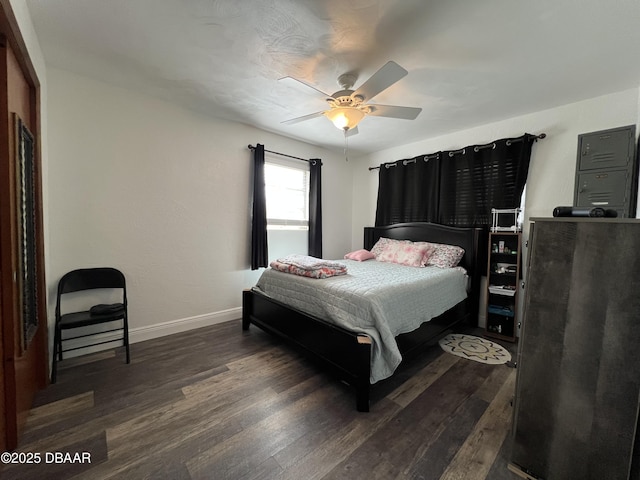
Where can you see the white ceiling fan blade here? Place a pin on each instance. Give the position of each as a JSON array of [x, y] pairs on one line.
[[394, 111], [295, 83], [303, 118], [388, 74], [352, 131]]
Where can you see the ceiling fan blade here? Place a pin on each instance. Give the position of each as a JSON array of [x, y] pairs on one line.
[[393, 111], [303, 118], [388, 74], [295, 83], [352, 131]]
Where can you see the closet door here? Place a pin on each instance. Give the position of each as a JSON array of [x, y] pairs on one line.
[[578, 385]]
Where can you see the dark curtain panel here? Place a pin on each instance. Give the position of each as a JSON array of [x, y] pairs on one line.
[[315, 208], [456, 188], [408, 191], [259, 249], [476, 179]]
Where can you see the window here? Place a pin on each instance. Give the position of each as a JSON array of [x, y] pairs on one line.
[[287, 192], [523, 198]]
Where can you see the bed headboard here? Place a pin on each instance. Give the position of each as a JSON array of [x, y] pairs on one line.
[[472, 239]]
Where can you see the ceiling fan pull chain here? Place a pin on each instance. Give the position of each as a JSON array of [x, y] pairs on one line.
[[346, 145]]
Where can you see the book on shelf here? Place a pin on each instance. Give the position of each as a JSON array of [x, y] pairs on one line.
[[506, 290]]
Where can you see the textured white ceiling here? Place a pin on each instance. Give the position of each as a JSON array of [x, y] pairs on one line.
[[470, 62]]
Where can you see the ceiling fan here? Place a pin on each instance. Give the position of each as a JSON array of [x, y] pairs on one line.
[[348, 107]]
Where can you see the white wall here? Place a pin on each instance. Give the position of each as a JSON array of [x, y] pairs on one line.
[[553, 160], [163, 194]]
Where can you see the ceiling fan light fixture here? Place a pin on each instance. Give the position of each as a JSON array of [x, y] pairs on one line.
[[345, 118], [347, 107]]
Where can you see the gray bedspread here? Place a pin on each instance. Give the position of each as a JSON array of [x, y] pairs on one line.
[[381, 300]]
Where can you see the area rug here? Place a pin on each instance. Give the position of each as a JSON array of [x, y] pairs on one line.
[[474, 348]]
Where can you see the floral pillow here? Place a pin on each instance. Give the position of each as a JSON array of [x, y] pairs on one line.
[[379, 246], [431, 251], [405, 253], [383, 242], [445, 256], [360, 255]]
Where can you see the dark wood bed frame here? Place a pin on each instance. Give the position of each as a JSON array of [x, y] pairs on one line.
[[346, 353]]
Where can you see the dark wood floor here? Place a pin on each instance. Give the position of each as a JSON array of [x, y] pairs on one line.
[[219, 403]]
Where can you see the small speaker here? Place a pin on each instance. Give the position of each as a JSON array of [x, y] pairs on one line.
[[582, 212]]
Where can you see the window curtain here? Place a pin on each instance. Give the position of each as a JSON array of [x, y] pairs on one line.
[[408, 191], [315, 208], [478, 178], [461, 187], [259, 248]]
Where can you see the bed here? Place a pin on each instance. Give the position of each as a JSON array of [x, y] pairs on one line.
[[351, 352]]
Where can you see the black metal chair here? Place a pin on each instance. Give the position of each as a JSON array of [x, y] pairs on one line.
[[83, 280]]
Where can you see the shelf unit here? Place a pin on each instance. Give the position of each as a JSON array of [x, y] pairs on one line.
[[503, 275]]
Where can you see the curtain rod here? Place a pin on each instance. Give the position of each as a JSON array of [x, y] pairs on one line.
[[251, 147], [462, 150]]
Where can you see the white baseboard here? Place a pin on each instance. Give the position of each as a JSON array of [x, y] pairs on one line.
[[140, 334]]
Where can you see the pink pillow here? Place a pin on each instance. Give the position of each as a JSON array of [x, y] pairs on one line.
[[360, 255], [405, 253], [383, 242], [379, 246], [430, 251], [445, 256]]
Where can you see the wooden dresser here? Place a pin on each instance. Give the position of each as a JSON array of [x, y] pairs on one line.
[[578, 381]]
